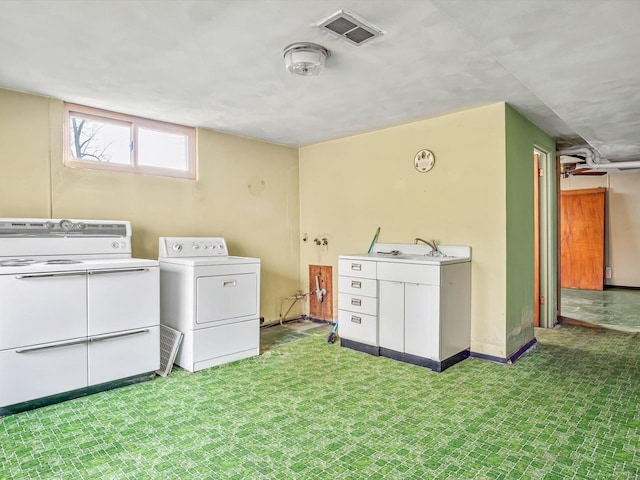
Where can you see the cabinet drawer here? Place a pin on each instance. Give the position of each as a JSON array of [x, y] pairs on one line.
[[357, 268], [358, 303], [409, 273], [123, 354], [358, 286], [358, 327], [120, 300], [42, 370], [37, 309]]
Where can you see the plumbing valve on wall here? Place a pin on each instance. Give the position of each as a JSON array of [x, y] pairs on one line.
[[324, 241]]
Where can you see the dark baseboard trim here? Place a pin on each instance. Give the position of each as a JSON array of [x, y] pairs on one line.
[[522, 350], [511, 358], [457, 358], [491, 358], [81, 392], [319, 320], [360, 347], [294, 319], [281, 322], [621, 286], [434, 365]]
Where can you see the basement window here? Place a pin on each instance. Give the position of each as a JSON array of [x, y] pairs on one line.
[[103, 140]]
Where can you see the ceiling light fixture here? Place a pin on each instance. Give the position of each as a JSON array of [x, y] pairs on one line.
[[304, 58]]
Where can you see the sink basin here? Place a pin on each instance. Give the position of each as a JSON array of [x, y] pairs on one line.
[[411, 253], [416, 257]]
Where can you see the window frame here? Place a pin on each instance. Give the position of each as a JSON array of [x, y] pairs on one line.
[[135, 123]]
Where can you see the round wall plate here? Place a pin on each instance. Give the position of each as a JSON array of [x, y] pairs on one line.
[[424, 161]]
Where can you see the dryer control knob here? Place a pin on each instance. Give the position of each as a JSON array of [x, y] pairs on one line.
[[66, 225], [176, 247]]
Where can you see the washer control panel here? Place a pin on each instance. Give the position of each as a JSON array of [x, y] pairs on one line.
[[192, 247]]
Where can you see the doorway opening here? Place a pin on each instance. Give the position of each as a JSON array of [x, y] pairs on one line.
[[545, 238], [599, 283]]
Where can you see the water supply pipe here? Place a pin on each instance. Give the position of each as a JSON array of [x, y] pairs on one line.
[[594, 160]]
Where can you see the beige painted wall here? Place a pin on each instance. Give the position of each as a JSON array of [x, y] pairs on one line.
[[247, 191], [351, 186], [622, 242], [24, 155]]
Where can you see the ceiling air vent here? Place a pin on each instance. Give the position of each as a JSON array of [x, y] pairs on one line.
[[347, 26]]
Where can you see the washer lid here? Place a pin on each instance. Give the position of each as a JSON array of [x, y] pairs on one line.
[[205, 261]]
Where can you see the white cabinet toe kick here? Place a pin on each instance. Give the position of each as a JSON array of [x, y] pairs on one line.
[[406, 308]]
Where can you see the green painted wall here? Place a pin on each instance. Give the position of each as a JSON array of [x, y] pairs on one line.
[[522, 137]]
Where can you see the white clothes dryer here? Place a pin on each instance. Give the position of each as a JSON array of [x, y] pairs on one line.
[[212, 298]]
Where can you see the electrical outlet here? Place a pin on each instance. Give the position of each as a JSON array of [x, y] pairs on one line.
[[607, 273]]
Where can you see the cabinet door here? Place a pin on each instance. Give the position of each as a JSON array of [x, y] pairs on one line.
[[122, 355], [422, 320], [391, 313], [123, 299], [42, 308], [39, 371]]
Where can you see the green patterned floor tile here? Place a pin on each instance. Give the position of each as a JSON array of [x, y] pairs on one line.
[[311, 410]]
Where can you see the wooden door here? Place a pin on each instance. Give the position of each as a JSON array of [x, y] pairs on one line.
[[582, 239]]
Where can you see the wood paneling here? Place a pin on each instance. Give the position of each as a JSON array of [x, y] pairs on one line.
[[320, 310], [582, 238]]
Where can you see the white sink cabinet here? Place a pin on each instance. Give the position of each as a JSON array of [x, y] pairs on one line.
[[423, 309], [358, 304]]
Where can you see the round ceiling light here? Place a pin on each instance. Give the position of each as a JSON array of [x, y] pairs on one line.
[[305, 58]]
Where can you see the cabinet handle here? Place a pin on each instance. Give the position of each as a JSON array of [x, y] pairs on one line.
[[117, 270], [54, 274], [230, 283], [356, 301], [355, 319], [117, 335], [57, 345], [355, 284], [356, 266], [80, 341]]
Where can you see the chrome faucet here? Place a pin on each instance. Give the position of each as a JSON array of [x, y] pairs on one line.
[[432, 244]]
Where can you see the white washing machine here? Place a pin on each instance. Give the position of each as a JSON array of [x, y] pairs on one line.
[[212, 298]]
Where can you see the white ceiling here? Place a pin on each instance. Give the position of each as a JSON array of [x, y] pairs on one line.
[[570, 66]]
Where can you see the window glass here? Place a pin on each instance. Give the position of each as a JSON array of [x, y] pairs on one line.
[[98, 139], [162, 149], [100, 142]]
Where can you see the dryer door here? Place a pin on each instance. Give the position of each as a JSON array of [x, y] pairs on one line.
[[226, 297]]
